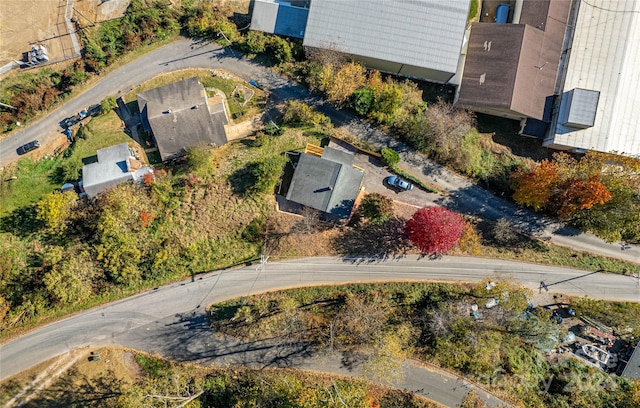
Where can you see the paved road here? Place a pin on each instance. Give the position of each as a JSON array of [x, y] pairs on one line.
[[171, 320], [460, 195]]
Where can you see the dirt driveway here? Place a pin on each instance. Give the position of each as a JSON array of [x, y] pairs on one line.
[[374, 179]]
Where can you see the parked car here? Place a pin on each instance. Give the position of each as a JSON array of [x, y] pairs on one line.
[[399, 183], [93, 110], [26, 148], [256, 84]]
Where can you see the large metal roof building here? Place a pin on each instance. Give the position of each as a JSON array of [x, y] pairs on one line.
[[419, 38], [600, 104]]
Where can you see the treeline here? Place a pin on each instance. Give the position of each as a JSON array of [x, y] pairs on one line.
[[598, 192], [163, 381]]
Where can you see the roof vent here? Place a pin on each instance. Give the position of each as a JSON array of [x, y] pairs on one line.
[[578, 108]]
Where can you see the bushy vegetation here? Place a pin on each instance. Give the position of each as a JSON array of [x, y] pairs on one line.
[[430, 321], [144, 22], [164, 381], [374, 208], [598, 193], [63, 252], [389, 157], [36, 91], [297, 113]]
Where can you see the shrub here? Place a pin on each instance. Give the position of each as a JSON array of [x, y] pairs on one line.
[[256, 42], [266, 174], [298, 113], [272, 129], [280, 48], [362, 100], [389, 157], [504, 232], [107, 104], [376, 208]]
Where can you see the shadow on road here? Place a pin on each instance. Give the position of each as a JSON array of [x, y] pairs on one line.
[[474, 200], [188, 337]]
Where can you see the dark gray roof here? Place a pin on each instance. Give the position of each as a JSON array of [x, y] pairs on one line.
[[111, 169], [325, 185], [632, 369], [338, 156], [179, 117]]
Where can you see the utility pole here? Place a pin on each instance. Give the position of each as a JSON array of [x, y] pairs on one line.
[[262, 262]]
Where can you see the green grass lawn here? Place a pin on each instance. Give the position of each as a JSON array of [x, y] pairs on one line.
[[103, 131], [35, 179], [32, 181]]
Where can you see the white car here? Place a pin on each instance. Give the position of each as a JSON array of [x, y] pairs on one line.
[[400, 183]]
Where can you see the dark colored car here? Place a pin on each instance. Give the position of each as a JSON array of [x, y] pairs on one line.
[[26, 148], [396, 181]]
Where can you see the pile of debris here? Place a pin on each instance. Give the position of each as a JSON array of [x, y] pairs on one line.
[[37, 55]]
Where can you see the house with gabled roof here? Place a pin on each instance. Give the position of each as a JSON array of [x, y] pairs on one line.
[[180, 115], [326, 180], [511, 69], [110, 167]]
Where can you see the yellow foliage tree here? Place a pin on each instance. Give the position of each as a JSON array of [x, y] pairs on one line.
[[470, 241], [534, 187], [55, 209], [70, 280], [346, 80]]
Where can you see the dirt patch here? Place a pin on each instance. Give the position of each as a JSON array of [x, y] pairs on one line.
[[284, 241], [98, 375], [24, 23], [404, 210], [89, 12]]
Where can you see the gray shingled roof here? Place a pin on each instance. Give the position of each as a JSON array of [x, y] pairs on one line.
[[326, 185], [111, 169], [420, 33], [632, 369], [179, 117]]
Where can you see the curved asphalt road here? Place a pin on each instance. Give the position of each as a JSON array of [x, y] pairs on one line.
[[461, 195], [171, 320]]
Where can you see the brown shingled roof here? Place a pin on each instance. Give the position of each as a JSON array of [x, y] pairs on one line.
[[513, 67]]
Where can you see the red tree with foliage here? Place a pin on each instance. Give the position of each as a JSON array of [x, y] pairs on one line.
[[434, 230], [581, 195], [534, 187]]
